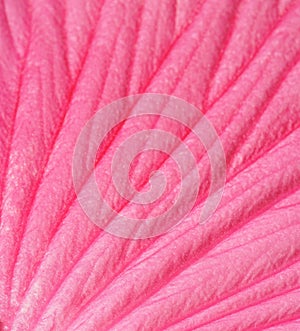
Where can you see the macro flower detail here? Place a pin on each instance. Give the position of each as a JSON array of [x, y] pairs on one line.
[[234, 61]]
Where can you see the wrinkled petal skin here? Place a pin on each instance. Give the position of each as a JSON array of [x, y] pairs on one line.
[[238, 61]]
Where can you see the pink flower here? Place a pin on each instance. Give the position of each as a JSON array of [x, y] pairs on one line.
[[238, 63]]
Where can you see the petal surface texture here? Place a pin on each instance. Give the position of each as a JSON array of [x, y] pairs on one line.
[[238, 62]]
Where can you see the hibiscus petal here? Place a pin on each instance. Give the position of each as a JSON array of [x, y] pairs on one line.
[[238, 62]]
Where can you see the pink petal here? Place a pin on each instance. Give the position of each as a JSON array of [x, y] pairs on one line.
[[238, 62]]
